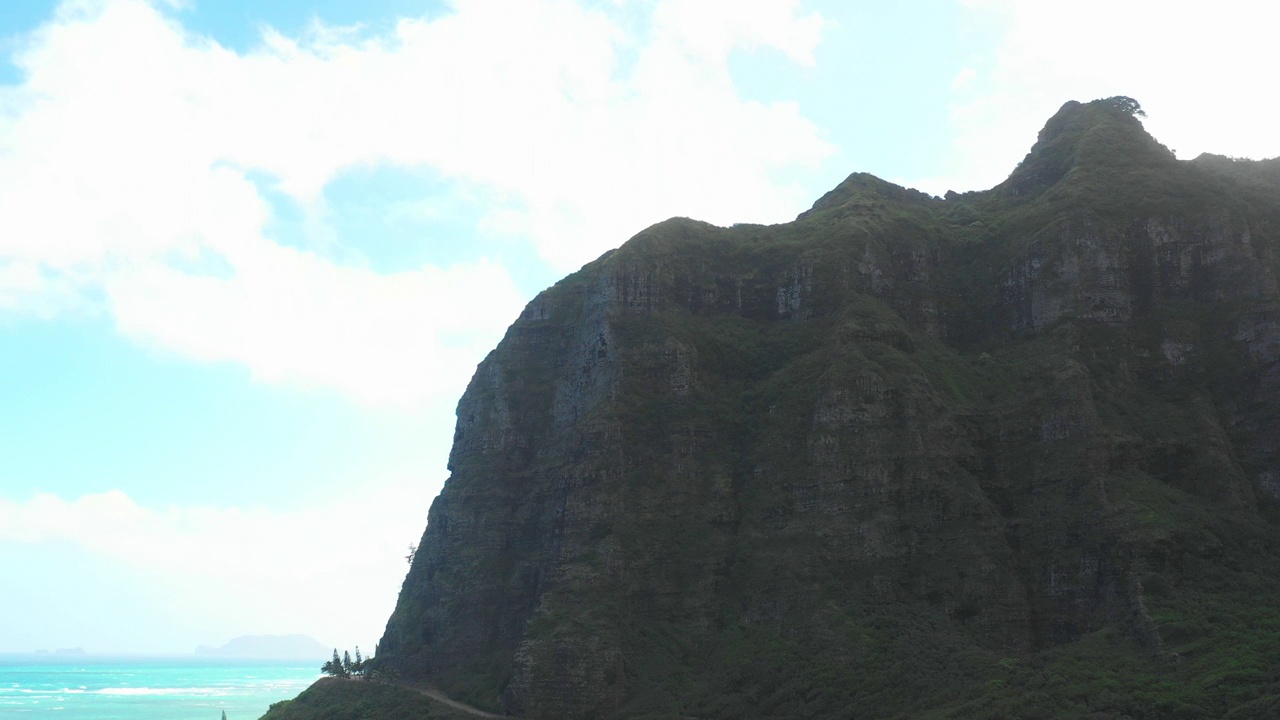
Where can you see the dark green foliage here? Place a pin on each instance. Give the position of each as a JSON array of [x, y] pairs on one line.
[[345, 667], [1001, 455], [1126, 105], [336, 699], [335, 667]]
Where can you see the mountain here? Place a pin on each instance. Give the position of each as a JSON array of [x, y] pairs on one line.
[[1009, 453], [275, 647]]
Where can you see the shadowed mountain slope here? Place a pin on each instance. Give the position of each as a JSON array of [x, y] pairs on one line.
[[1008, 453]]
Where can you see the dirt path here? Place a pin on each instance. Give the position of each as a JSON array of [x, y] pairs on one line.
[[441, 697]]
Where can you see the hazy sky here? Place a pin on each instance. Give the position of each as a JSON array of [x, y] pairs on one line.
[[250, 253]]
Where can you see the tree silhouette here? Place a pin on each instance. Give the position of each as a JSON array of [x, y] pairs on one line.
[[334, 667], [1126, 105]]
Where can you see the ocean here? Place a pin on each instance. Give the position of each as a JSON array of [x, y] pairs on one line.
[[89, 687]]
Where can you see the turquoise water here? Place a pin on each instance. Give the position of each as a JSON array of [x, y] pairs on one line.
[[133, 688]]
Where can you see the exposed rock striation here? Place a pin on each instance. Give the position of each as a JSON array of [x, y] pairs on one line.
[[904, 453]]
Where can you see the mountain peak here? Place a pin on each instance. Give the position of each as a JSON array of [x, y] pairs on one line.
[[907, 454], [865, 188], [1104, 133]]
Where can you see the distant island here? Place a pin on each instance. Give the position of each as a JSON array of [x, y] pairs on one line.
[[273, 647]]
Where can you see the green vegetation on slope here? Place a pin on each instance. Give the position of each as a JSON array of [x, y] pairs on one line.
[[339, 699], [1007, 454]]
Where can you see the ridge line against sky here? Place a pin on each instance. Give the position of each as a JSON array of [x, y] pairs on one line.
[[249, 257]]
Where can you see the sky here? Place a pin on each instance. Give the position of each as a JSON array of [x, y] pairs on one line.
[[251, 253]]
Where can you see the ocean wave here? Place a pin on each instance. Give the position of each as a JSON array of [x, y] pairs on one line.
[[198, 691], [215, 690]]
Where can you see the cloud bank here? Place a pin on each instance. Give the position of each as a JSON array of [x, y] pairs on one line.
[[140, 163], [331, 570]]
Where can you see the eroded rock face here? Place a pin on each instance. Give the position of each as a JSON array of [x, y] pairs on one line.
[[843, 450], [1105, 274]]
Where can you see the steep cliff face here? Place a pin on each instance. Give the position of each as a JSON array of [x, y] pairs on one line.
[[901, 454]]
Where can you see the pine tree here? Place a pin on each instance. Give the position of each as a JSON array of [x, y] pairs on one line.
[[346, 663], [332, 667], [358, 665], [224, 715]]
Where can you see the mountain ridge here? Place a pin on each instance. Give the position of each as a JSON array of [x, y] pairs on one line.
[[1011, 452]]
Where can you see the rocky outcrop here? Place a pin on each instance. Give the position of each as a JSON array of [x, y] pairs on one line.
[[871, 454]]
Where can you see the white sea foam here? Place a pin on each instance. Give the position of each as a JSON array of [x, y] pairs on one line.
[[192, 691], [145, 689]]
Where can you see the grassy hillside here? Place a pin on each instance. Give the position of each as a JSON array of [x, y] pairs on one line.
[[338, 699]]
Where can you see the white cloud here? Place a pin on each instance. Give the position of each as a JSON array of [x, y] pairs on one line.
[[127, 154], [404, 338], [331, 570], [963, 80], [710, 29], [1199, 69]]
